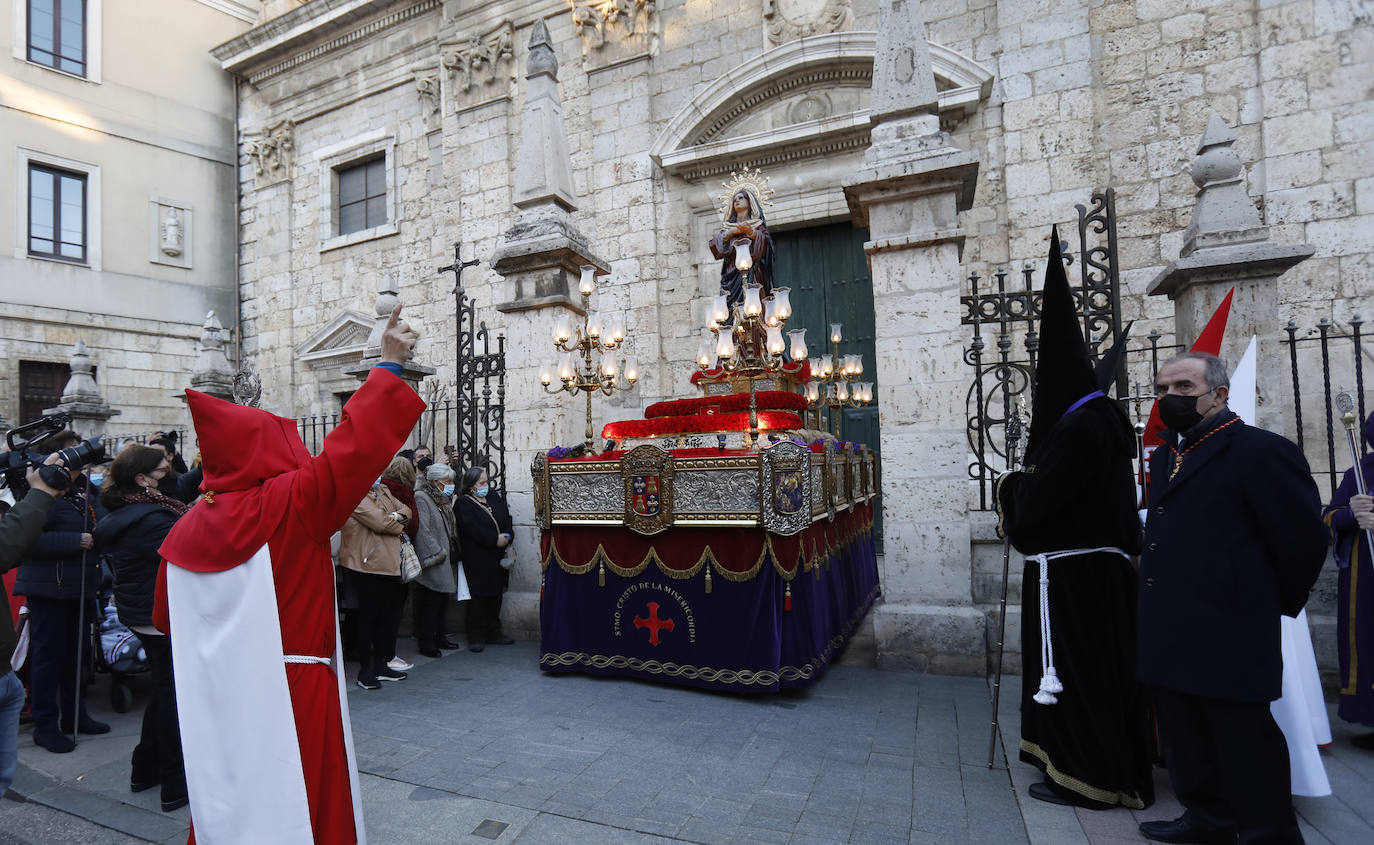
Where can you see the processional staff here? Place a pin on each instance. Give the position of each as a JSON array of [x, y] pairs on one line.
[[1345, 403], [1014, 427]]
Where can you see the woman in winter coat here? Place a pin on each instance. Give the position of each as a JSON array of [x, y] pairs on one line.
[[140, 516], [438, 549], [370, 549], [399, 478], [61, 573], [484, 524]]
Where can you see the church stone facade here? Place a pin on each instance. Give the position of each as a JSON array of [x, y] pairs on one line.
[[412, 109]]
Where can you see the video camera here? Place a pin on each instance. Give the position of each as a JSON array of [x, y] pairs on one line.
[[26, 440]]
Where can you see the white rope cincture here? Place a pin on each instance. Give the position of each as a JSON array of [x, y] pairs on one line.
[[306, 658], [1050, 685]]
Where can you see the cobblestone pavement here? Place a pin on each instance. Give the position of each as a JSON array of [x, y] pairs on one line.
[[474, 742]]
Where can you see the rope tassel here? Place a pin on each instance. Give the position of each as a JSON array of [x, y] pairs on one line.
[[601, 574], [1049, 681], [707, 567], [787, 598]]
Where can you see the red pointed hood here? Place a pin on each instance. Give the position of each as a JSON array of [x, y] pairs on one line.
[[248, 456], [241, 447]]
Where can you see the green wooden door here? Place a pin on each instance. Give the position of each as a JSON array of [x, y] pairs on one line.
[[827, 270]]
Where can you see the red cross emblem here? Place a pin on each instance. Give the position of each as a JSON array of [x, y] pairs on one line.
[[653, 623]]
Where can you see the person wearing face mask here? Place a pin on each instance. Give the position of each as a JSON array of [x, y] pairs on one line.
[[484, 524], [1234, 539], [62, 570], [140, 517], [436, 544]]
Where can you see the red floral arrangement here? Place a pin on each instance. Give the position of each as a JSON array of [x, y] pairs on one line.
[[801, 372], [664, 426], [767, 400]]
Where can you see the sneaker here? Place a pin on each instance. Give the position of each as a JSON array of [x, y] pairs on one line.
[[396, 664], [391, 675], [370, 683], [142, 785]]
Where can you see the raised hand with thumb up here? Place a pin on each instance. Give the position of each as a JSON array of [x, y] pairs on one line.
[[398, 341]]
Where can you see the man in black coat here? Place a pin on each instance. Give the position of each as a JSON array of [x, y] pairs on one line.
[[1233, 539], [59, 574]]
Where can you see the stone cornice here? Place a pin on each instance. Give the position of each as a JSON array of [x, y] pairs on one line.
[[280, 44]]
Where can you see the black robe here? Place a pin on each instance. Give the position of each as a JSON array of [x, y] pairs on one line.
[[480, 531], [1077, 491]]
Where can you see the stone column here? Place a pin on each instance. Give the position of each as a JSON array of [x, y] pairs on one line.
[[81, 397], [1227, 246], [909, 191], [387, 300], [539, 257]]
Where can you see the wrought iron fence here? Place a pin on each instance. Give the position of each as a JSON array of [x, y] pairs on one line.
[[1005, 308], [112, 442], [468, 428], [1339, 353]]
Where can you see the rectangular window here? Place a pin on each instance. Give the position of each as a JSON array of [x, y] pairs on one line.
[[57, 213], [362, 195], [57, 34]]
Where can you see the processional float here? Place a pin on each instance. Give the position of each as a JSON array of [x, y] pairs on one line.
[[731, 485]]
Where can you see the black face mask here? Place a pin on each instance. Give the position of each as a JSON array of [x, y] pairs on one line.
[[1179, 412]]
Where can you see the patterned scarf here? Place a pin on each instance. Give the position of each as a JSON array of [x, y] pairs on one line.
[[152, 496]]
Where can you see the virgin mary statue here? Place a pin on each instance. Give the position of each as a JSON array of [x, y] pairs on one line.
[[744, 222]]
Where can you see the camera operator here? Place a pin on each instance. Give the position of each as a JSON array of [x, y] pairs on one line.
[[62, 570], [19, 528]]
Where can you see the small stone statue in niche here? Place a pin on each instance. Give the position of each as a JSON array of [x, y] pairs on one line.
[[171, 240], [742, 208]]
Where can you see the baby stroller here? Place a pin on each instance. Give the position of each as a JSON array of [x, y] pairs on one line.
[[118, 652]]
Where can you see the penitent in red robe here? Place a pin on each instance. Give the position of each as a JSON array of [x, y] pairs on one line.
[[265, 730]]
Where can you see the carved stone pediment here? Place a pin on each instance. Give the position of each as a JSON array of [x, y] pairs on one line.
[[808, 98], [345, 336]]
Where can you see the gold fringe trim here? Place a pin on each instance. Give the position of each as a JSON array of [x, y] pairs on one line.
[[820, 557], [1130, 802]]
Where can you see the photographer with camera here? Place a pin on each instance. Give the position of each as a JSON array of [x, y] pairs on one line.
[[59, 576], [19, 529]]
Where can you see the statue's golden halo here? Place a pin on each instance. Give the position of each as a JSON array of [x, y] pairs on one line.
[[750, 180]]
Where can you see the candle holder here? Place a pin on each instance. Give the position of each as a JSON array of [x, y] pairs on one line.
[[753, 345], [830, 385], [588, 363]]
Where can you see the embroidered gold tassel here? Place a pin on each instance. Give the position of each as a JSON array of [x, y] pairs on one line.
[[787, 598], [708, 578], [601, 574]]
